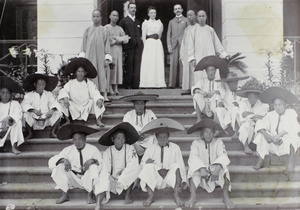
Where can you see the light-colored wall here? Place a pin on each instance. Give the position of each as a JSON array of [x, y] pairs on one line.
[[248, 26], [61, 24]]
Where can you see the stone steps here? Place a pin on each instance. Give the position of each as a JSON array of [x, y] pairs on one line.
[[24, 174], [159, 204], [40, 158], [239, 190], [183, 142]]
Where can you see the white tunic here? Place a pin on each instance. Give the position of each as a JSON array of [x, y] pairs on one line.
[[124, 161], [69, 180], [273, 125], [14, 132], [206, 155], [172, 160], [246, 130], [82, 98], [44, 103]]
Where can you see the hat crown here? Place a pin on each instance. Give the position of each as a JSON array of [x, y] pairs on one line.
[[252, 84], [231, 75]]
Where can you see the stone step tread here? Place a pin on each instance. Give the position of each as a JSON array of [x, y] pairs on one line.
[[119, 115], [160, 203], [48, 154], [232, 169], [151, 104], [236, 186]]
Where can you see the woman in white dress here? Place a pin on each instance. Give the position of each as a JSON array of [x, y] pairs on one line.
[[152, 66]]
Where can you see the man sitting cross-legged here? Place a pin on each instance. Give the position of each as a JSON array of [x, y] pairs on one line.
[[277, 132], [39, 105], [162, 164], [120, 163], [78, 165], [208, 162]]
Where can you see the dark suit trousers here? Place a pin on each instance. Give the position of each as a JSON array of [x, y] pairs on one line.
[[175, 76], [132, 67]]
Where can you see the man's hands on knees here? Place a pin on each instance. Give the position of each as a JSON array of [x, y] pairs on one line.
[[67, 164], [66, 102], [36, 112], [215, 173], [99, 103], [149, 161], [204, 173], [88, 163]]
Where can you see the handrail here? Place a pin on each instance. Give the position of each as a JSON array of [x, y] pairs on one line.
[[19, 41]]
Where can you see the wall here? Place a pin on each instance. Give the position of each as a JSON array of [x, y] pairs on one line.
[[249, 26], [61, 24]]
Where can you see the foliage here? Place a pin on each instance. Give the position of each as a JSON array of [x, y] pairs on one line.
[[235, 61], [253, 84]]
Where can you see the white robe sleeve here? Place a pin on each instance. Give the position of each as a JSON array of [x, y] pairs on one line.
[[179, 160], [52, 161], [52, 102], [94, 92], [131, 157], [195, 162], [26, 103], [16, 111], [217, 44], [65, 91], [264, 123], [106, 166], [222, 157]]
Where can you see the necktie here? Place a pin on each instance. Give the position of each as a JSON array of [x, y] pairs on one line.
[[81, 160], [277, 128], [210, 89], [162, 156]]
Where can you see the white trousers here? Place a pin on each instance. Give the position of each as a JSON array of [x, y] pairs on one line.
[[14, 133], [68, 180], [246, 131], [206, 104], [30, 118], [150, 176], [228, 116]]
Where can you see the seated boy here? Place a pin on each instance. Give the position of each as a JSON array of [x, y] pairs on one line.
[[227, 110], [39, 105], [78, 165], [208, 162], [250, 111], [277, 132], [10, 114], [139, 117], [120, 163], [162, 164], [207, 93], [80, 96]]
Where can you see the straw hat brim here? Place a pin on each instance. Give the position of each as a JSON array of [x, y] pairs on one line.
[[211, 60], [67, 131], [162, 125], [244, 93], [205, 123], [11, 85], [232, 79], [143, 97], [51, 82], [272, 93], [130, 133]]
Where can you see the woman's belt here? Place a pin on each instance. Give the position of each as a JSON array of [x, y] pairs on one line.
[[152, 36]]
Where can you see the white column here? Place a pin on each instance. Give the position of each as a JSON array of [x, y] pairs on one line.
[[248, 26]]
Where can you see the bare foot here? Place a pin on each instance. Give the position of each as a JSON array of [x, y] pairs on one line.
[[90, 198], [190, 203], [63, 198], [53, 135], [178, 200], [235, 136], [149, 201], [99, 123], [259, 164], [15, 150], [247, 150], [128, 199], [228, 203], [29, 136]]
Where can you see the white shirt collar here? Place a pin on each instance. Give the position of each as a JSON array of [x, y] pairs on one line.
[[179, 16], [131, 17]]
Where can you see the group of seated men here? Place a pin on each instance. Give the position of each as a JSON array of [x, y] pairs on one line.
[[139, 148]]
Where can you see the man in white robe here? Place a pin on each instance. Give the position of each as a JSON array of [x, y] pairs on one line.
[[207, 93], [80, 96], [227, 110], [208, 162], [78, 165], [250, 111], [120, 163], [116, 37], [139, 117], [40, 107], [277, 132], [162, 164], [187, 67], [205, 42], [10, 115]]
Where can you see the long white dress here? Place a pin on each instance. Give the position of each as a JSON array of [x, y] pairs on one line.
[[152, 65]]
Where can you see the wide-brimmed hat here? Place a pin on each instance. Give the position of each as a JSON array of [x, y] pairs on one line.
[[231, 76], [51, 81], [90, 69], [272, 93], [67, 131], [162, 125], [211, 60], [10, 84], [251, 86], [205, 123], [131, 134], [139, 96]]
